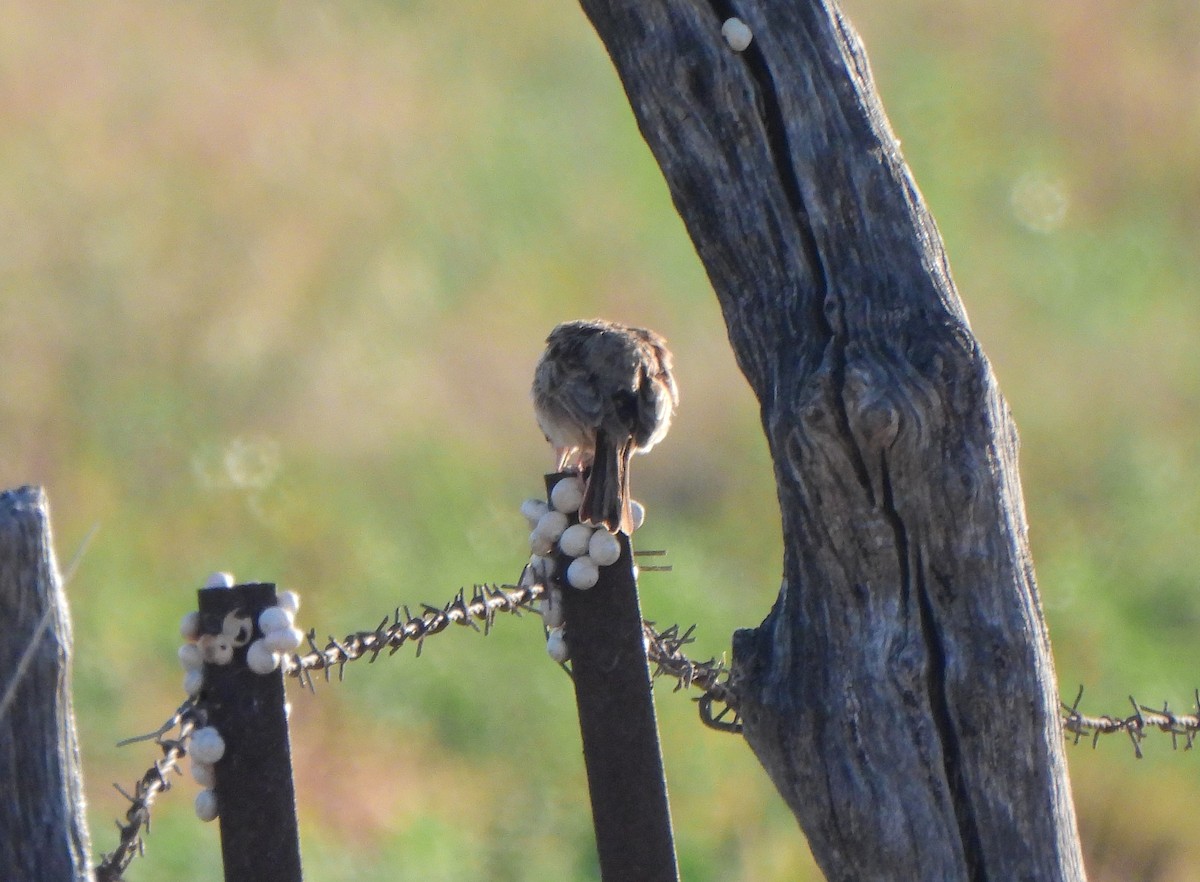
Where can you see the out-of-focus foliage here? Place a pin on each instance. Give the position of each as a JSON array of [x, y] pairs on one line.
[[273, 279]]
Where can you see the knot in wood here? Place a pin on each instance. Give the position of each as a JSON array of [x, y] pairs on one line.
[[873, 417]]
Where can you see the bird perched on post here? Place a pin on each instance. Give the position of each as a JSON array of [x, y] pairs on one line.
[[602, 392]]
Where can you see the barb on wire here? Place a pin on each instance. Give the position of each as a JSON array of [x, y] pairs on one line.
[[664, 649], [404, 627], [1135, 725], [186, 719]]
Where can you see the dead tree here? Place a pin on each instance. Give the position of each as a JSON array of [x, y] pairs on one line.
[[43, 825], [900, 693]]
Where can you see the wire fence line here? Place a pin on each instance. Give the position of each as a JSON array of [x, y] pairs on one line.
[[717, 702], [477, 610]]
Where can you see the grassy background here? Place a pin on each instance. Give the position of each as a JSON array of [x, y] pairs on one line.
[[274, 277]]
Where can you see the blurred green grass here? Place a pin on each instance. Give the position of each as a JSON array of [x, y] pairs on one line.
[[275, 276]]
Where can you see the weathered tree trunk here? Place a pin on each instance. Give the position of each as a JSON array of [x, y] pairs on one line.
[[43, 826], [901, 692]]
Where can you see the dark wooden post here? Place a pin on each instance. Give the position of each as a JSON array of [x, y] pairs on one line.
[[43, 827], [256, 798], [615, 699], [900, 693]]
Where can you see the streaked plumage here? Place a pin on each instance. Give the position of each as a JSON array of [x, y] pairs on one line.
[[602, 392]]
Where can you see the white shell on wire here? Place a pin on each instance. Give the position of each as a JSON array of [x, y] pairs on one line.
[[533, 509], [604, 548], [203, 774], [193, 682], [736, 34], [207, 745], [206, 805], [556, 645], [567, 495], [275, 618], [191, 657], [574, 540], [189, 625], [583, 573], [638, 511], [552, 608], [285, 640], [288, 600], [551, 525], [260, 658]]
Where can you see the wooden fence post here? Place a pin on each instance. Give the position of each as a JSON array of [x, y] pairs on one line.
[[901, 692], [43, 828], [256, 798], [614, 696]]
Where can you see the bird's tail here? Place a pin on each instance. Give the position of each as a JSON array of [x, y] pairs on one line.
[[606, 496]]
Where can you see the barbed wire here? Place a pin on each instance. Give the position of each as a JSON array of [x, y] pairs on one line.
[[187, 719], [403, 627], [1136, 725], [663, 649]]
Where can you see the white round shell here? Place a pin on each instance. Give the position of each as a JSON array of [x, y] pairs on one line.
[[219, 580], [583, 573], [275, 618], [551, 525], [552, 608], [260, 658], [604, 548], [288, 600], [574, 540], [736, 34], [206, 805], [203, 774], [207, 745], [567, 495], [191, 657], [193, 682], [556, 645], [287, 640], [189, 625], [638, 511], [533, 509]]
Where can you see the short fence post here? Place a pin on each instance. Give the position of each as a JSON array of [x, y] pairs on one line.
[[615, 700], [256, 798], [43, 827]]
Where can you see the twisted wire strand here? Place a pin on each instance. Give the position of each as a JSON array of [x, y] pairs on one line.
[[404, 627], [1137, 725], [156, 780]]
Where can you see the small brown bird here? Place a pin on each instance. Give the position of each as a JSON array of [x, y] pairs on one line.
[[603, 392]]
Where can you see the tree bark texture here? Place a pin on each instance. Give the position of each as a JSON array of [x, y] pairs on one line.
[[43, 825], [901, 692]]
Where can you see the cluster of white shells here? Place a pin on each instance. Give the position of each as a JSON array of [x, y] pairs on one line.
[[280, 636], [588, 547]]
